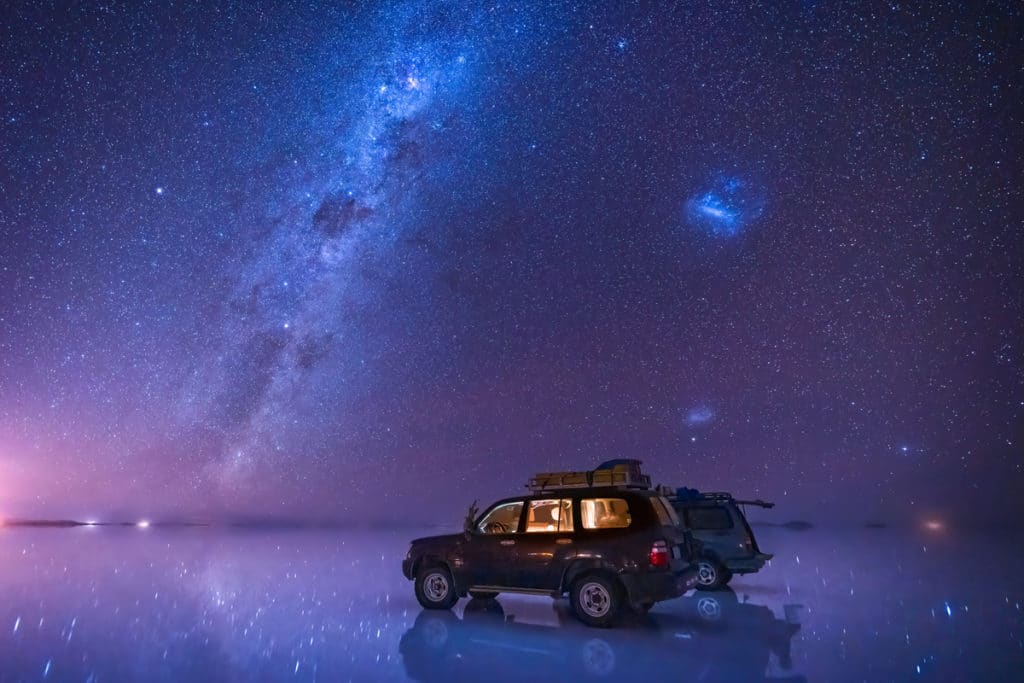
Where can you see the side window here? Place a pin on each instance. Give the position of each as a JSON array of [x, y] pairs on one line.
[[709, 518], [604, 513], [552, 514], [666, 513], [503, 519]]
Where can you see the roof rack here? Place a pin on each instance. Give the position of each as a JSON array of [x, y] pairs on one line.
[[692, 495], [615, 473]]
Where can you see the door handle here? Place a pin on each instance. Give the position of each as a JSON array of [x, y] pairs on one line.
[[509, 542], [564, 541]]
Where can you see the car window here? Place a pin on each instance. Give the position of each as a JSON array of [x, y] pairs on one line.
[[503, 519], [709, 517], [666, 513], [551, 514], [604, 513]]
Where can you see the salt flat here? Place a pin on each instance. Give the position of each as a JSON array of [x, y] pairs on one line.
[[216, 604]]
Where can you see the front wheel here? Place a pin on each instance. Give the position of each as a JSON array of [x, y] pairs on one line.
[[711, 576], [643, 607], [435, 588], [596, 599]]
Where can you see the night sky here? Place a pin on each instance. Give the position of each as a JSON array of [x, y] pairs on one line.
[[372, 262]]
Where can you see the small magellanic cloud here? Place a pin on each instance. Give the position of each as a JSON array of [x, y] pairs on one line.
[[699, 415]]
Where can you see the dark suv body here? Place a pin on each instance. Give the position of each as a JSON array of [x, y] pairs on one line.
[[726, 542], [608, 547]]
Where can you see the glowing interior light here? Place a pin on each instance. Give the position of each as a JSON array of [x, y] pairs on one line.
[[934, 525]]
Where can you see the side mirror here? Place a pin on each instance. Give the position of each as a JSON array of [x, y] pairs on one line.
[[470, 521]]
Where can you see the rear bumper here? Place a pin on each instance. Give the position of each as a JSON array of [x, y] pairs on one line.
[[651, 587], [747, 565]]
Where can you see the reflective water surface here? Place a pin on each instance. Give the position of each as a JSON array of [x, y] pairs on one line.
[[202, 604]]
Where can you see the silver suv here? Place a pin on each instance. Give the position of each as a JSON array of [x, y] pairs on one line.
[[727, 543]]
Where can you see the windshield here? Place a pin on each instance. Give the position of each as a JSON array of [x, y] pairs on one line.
[[503, 519]]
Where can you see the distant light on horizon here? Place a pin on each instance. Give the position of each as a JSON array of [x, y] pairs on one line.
[[142, 524], [934, 525]]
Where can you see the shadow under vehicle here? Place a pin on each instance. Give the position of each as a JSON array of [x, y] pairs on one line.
[[715, 638], [727, 543], [603, 537]]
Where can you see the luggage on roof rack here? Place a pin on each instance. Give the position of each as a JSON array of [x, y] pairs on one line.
[[621, 473]]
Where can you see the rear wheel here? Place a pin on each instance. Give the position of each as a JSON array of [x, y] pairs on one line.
[[711, 576], [596, 599], [709, 609], [435, 588]]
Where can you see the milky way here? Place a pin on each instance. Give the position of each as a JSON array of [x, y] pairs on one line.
[[291, 311], [347, 261]]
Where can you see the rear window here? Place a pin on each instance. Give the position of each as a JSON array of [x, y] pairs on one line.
[[605, 513], [709, 518]]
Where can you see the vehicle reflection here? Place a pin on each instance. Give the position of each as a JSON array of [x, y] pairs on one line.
[[708, 637]]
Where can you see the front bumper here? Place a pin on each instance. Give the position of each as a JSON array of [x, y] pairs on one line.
[[407, 564], [649, 587]]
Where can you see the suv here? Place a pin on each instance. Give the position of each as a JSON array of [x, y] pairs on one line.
[[608, 547], [727, 544]]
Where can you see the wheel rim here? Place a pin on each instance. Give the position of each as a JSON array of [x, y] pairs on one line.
[[598, 657], [595, 600], [706, 573], [435, 586], [708, 608], [435, 633]]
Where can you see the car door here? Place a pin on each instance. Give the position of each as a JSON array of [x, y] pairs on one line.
[[545, 542], [491, 551]]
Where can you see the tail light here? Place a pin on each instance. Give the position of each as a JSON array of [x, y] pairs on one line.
[[659, 554]]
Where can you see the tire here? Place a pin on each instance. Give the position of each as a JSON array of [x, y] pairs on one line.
[[435, 588], [483, 595], [711, 576], [596, 599], [709, 609], [643, 607], [488, 610], [598, 657], [434, 628]]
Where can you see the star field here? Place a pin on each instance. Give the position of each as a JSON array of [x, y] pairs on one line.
[[257, 259]]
